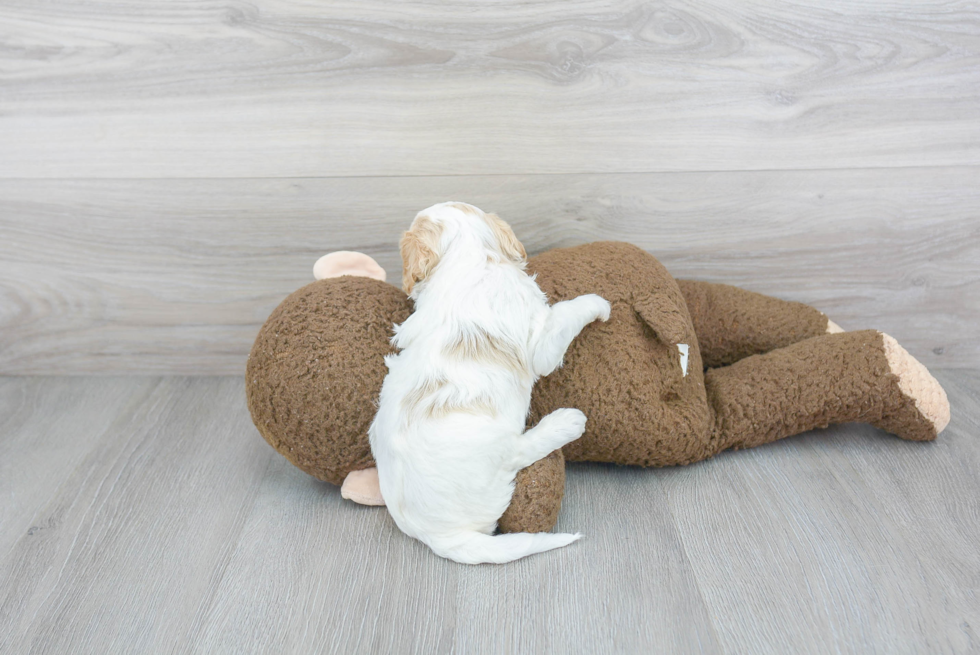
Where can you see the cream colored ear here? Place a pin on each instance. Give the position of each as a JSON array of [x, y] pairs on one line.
[[346, 262], [510, 247], [420, 251]]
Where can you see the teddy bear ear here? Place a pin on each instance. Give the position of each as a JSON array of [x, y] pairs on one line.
[[363, 487], [346, 262]]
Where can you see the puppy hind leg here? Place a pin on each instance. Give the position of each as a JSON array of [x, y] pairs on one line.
[[554, 431]]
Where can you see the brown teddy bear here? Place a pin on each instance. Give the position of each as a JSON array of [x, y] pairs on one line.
[[681, 371]]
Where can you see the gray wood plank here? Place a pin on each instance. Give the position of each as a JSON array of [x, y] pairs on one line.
[[292, 88], [176, 276], [182, 532], [628, 588], [867, 542], [331, 571], [47, 428], [341, 578], [137, 537]]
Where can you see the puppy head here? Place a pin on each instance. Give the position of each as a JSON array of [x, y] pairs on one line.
[[462, 226], [496, 234], [420, 248]]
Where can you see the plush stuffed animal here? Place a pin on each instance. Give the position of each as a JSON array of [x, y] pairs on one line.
[[681, 371]]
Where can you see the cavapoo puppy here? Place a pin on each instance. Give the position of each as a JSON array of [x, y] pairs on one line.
[[449, 434]]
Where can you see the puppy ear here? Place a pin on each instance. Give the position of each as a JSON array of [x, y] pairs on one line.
[[420, 252], [510, 247]]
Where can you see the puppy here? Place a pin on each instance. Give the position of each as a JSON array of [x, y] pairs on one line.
[[449, 435]]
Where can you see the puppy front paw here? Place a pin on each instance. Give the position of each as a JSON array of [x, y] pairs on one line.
[[600, 306]]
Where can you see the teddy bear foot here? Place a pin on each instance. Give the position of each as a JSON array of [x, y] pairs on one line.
[[922, 411], [833, 328]]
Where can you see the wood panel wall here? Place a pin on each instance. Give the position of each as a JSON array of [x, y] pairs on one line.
[[170, 171]]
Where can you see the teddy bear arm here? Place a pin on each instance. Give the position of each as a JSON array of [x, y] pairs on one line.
[[665, 318]]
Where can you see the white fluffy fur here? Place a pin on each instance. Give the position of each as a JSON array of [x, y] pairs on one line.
[[449, 434]]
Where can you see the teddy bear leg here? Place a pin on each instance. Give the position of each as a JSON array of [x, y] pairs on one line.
[[538, 490], [733, 323], [835, 378]]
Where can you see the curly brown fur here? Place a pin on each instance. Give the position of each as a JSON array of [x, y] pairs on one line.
[[317, 367]]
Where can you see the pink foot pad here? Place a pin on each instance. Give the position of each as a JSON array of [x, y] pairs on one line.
[[917, 383]]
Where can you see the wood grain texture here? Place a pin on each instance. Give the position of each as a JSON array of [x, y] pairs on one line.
[[176, 276], [48, 428], [179, 530], [288, 88], [125, 553]]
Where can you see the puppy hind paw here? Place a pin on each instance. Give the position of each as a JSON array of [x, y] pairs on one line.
[[554, 431], [570, 422]]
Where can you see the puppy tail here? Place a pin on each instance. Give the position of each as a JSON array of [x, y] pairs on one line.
[[479, 548]]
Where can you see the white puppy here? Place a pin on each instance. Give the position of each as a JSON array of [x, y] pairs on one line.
[[449, 435]]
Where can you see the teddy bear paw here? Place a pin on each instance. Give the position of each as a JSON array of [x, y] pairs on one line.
[[916, 383]]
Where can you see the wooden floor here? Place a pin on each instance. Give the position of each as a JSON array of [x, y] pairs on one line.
[[147, 515]]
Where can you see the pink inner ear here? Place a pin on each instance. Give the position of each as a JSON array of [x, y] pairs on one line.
[[363, 487], [346, 262]]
